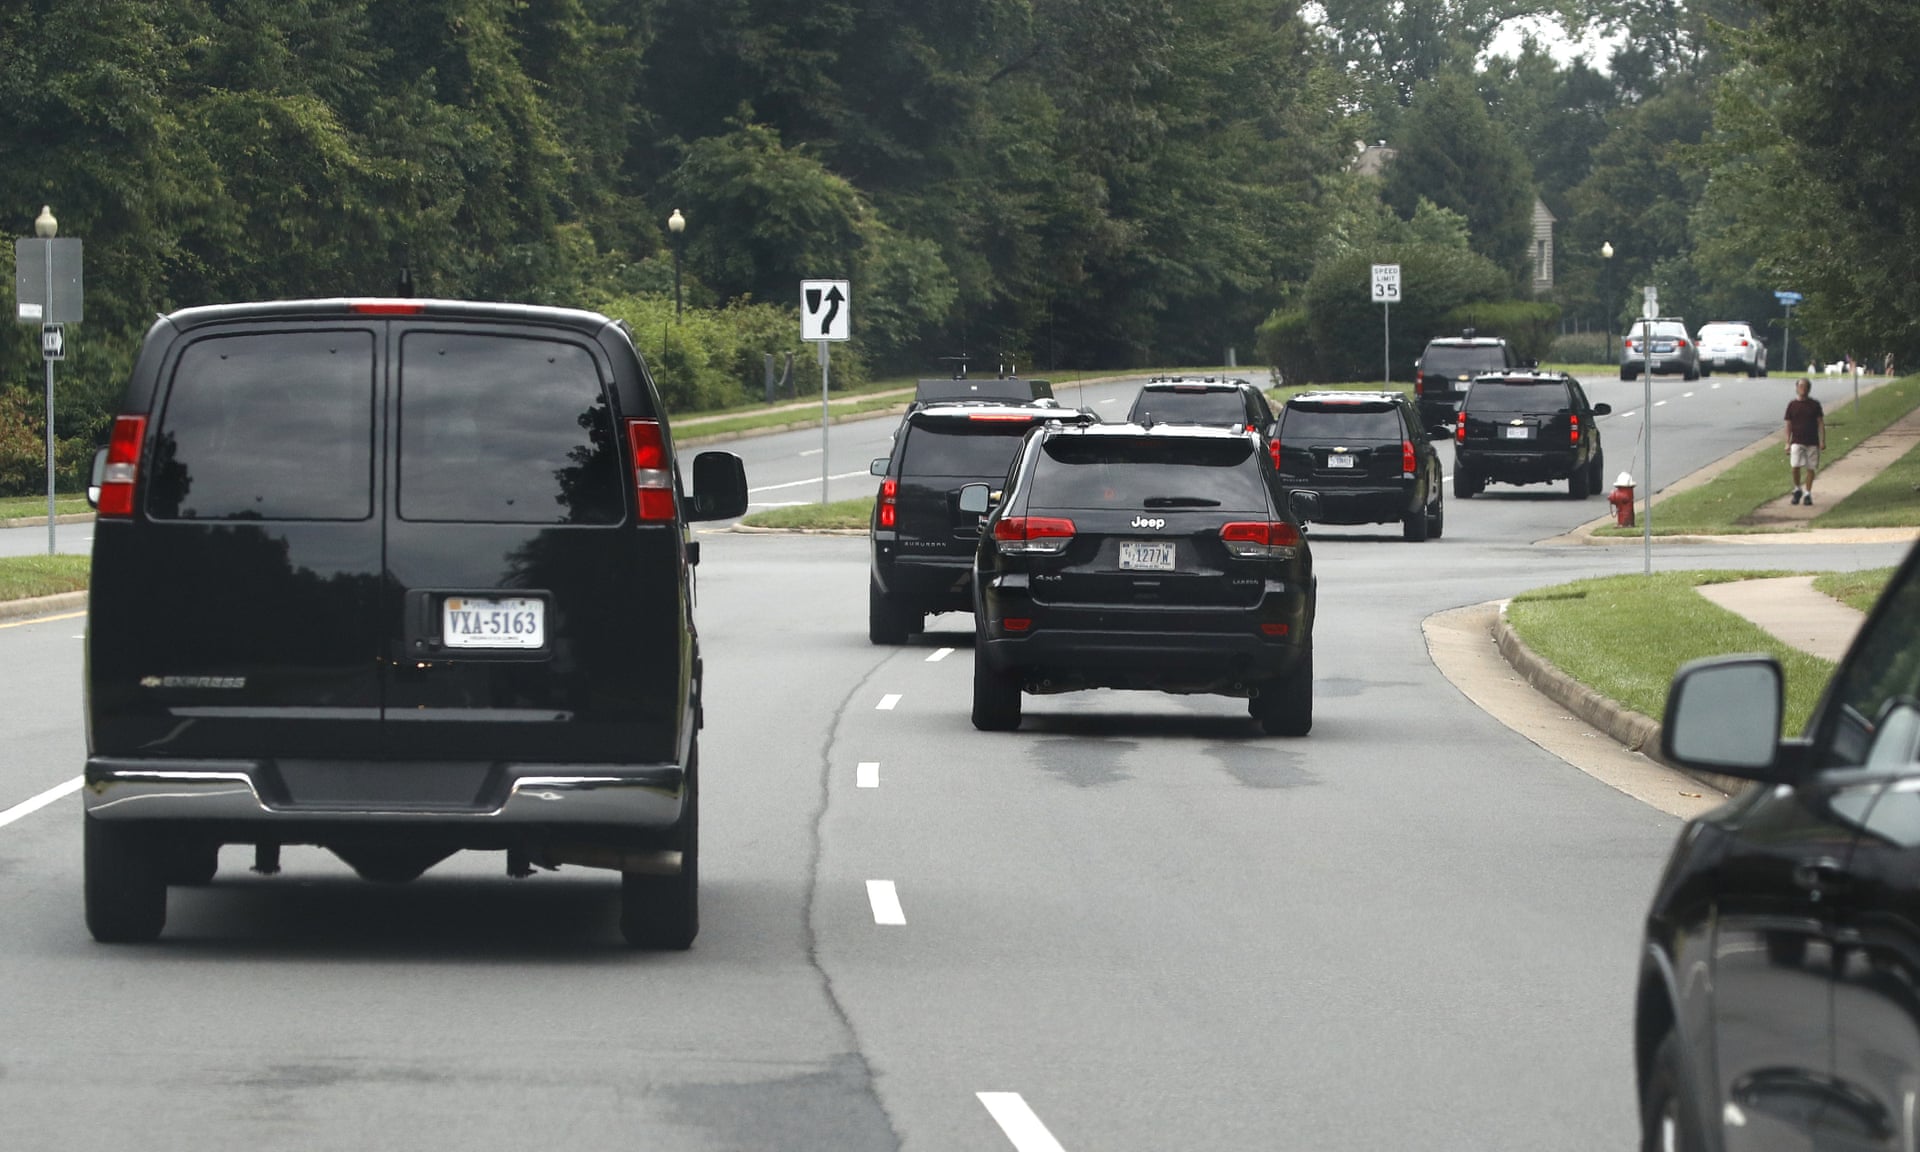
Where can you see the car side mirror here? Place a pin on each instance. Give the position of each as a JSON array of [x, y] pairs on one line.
[[976, 498], [1603, 409], [877, 467], [719, 486], [1723, 715], [99, 477], [1305, 505]]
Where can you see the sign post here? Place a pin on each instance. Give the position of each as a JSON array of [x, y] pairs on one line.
[[825, 317], [48, 289], [1787, 301], [1386, 290], [1649, 308]]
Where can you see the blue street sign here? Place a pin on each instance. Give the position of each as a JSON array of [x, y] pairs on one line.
[[1788, 297]]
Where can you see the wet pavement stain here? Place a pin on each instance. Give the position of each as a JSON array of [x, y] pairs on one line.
[[1337, 686], [1084, 763], [1262, 766], [832, 1108]]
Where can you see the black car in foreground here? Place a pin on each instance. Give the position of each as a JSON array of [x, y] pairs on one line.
[[1528, 428], [1162, 558], [1367, 456], [921, 555], [397, 578], [1779, 990]]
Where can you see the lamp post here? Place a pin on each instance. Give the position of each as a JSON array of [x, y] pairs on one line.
[[676, 229], [1606, 292]]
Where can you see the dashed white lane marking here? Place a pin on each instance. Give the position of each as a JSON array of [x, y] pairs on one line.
[[867, 774], [939, 654], [886, 902], [887, 702], [29, 807], [1716, 384], [1111, 400], [809, 480], [1018, 1121], [1685, 395], [1626, 414], [813, 452], [1659, 403], [43, 620]]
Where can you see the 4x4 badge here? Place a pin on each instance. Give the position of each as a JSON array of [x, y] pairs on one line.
[[1149, 522]]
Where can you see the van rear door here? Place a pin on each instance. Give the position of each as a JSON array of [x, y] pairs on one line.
[[534, 615]]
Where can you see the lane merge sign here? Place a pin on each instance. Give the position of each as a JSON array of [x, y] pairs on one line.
[[1386, 283], [825, 310]]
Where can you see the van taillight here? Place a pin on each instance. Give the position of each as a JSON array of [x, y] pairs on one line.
[[1406, 458], [387, 307], [1260, 539], [889, 493], [1033, 535], [652, 479], [1573, 429], [123, 466]]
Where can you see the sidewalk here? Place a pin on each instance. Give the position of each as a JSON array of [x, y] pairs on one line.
[[1791, 609], [1832, 485]]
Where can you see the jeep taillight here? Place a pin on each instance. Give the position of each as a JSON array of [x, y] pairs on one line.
[[1032, 535], [652, 479], [889, 502], [1260, 539], [123, 466], [1407, 464]]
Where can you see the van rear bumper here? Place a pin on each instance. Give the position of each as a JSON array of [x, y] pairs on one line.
[[606, 795]]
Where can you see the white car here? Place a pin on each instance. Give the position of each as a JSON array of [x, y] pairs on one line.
[[1731, 345]]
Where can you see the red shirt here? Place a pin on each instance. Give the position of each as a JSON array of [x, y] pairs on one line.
[[1803, 421]]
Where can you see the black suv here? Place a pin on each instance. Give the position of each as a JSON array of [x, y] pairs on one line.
[[1528, 428], [922, 542], [1208, 400], [1367, 456], [1155, 558], [1441, 375], [1777, 1004], [396, 578]]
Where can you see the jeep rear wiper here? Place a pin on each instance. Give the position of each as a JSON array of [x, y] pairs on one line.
[[1180, 502]]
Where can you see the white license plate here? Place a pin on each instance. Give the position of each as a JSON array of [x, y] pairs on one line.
[[1146, 555], [1519, 433], [1336, 460], [466, 622]]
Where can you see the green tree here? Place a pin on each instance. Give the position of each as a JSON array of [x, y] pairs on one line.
[[1452, 152]]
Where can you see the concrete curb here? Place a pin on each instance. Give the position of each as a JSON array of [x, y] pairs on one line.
[[1633, 731], [42, 605], [41, 521]]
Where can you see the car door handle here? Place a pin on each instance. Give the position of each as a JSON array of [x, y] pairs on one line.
[[1820, 876]]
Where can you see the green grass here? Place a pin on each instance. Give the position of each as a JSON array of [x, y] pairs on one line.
[[855, 513], [1856, 590], [1889, 500], [1720, 505], [24, 576], [15, 507], [1625, 636]]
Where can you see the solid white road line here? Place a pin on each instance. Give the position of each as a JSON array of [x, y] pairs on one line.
[[887, 702], [939, 654], [886, 902], [29, 807], [867, 774], [1018, 1121], [809, 480], [779, 503]]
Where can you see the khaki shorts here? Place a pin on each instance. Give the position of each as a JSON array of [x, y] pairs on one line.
[[1804, 456]]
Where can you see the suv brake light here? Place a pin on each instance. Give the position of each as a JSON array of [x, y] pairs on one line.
[[123, 466], [1260, 539], [1273, 450], [1460, 426], [386, 308], [889, 491], [1419, 381], [1573, 429], [1032, 535], [1407, 463], [652, 479]]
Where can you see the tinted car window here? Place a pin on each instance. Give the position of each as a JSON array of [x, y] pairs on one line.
[[1166, 407], [1496, 396], [1886, 669], [1446, 360], [1140, 472], [505, 429], [1343, 421], [962, 448], [274, 426]]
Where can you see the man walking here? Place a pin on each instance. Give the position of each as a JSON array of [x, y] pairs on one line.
[[1806, 437]]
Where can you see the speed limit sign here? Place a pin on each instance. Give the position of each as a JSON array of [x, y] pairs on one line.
[[1386, 283]]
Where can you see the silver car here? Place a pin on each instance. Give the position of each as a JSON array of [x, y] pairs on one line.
[[1673, 349], [1731, 346]]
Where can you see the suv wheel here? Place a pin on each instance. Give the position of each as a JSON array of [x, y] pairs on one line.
[[1464, 485], [1667, 1122], [1285, 706], [1579, 484], [1437, 514], [189, 862], [887, 621], [1413, 526], [663, 912], [1597, 473], [1628, 373], [996, 696], [126, 891]]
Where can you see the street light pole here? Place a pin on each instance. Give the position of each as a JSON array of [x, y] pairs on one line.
[[676, 228], [1606, 292]]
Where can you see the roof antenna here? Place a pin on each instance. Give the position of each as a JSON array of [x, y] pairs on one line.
[[403, 287]]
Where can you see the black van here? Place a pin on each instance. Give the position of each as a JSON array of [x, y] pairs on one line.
[[396, 578]]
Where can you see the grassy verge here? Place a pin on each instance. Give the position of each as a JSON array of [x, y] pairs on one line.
[[1889, 500], [855, 513], [24, 576], [15, 507], [734, 425], [1625, 636], [1854, 589], [1719, 505]]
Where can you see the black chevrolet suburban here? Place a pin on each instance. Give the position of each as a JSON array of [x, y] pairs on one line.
[[396, 578], [1367, 456], [1528, 428]]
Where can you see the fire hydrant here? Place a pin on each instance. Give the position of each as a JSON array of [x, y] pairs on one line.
[[1622, 500]]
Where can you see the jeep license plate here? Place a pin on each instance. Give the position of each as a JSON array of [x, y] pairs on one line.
[[1519, 433], [466, 622], [1339, 460], [1146, 555]]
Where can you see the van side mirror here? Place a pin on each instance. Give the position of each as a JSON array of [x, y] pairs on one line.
[[98, 477], [976, 498], [1305, 505], [878, 466], [1723, 715], [719, 486]]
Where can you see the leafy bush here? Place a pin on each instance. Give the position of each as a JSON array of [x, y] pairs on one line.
[[23, 447], [1343, 324], [1282, 343], [711, 357], [1580, 348], [1528, 325]]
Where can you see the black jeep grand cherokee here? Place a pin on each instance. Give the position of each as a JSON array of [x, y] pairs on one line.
[[1127, 557]]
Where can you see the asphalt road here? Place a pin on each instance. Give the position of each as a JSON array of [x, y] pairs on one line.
[[1161, 930]]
